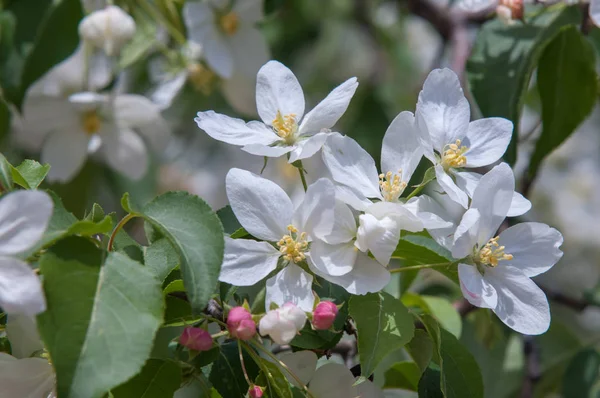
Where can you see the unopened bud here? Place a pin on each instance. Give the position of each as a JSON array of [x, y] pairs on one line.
[[510, 10], [109, 29], [196, 339], [240, 323], [324, 315], [255, 392]]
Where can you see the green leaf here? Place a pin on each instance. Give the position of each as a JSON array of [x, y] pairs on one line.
[[196, 233], [56, 39], [415, 249], [226, 374], [6, 180], [161, 258], [98, 329], [582, 374], [272, 377], [429, 384], [175, 286], [5, 115], [228, 219], [383, 324], [503, 59], [420, 349], [158, 379], [568, 87], [140, 45], [440, 308], [404, 375], [30, 174]]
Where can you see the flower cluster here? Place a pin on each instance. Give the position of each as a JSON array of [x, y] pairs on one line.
[[348, 225]]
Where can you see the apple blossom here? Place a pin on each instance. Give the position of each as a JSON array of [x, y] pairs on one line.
[[324, 315], [443, 115], [240, 323], [280, 104], [507, 10], [267, 213], [109, 29], [197, 339], [255, 391], [24, 216], [495, 271], [88, 123], [282, 324]]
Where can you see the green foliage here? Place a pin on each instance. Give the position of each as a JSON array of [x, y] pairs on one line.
[[98, 330], [503, 60], [441, 309], [404, 375], [383, 325], [568, 87], [159, 378], [30, 174], [6, 179], [273, 378], [581, 374], [161, 258], [226, 374]]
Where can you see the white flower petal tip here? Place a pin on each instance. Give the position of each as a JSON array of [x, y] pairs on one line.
[[109, 29], [20, 288], [291, 285], [283, 323]]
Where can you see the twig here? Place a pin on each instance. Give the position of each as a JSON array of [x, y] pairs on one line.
[[532, 363]]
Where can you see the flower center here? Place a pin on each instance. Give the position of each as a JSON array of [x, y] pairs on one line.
[[229, 23], [285, 127], [293, 246], [91, 122], [391, 185], [454, 155], [200, 77], [492, 253]]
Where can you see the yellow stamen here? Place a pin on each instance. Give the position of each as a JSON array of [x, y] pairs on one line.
[[293, 246], [201, 77], [91, 122], [285, 127], [391, 185], [492, 253], [454, 156], [229, 23]]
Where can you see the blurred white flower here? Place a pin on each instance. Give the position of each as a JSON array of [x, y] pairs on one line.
[[85, 123], [497, 270], [267, 213], [443, 115], [108, 29], [280, 103], [507, 10], [282, 324], [24, 375], [24, 216]]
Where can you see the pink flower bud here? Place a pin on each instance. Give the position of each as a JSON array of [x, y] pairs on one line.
[[324, 315], [240, 323], [255, 392], [196, 339]]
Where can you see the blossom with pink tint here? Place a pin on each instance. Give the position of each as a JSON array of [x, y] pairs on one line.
[[283, 323], [240, 324], [255, 392], [324, 315], [196, 339]]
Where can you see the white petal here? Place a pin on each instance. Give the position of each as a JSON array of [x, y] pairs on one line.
[[25, 378], [401, 149], [166, 91], [291, 285], [250, 11], [535, 247], [308, 147], [351, 197], [247, 261], [351, 165], [23, 335], [260, 205], [595, 11], [88, 101], [402, 215], [139, 113], [476, 5], [125, 152], [518, 206], [215, 46], [450, 187], [429, 212], [197, 15], [250, 51], [333, 380], [326, 114], [444, 108], [487, 140], [344, 227], [367, 276], [277, 89], [492, 198], [66, 151], [268, 151], [20, 288], [301, 363], [475, 288], [522, 305], [334, 260], [467, 232], [24, 216], [380, 237], [315, 215], [234, 131], [43, 115]]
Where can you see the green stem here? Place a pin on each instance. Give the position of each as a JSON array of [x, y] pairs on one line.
[[302, 177], [158, 17], [243, 365], [416, 191], [418, 267], [119, 226]]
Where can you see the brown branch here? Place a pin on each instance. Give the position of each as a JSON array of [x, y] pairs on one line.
[[532, 366]]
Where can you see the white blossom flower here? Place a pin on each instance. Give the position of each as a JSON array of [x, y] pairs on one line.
[[24, 216], [85, 123], [443, 115], [282, 324], [109, 29], [507, 10], [230, 40], [595, 11], [267, 213], [24, 374], [496, 270], [329, 380], [280, 103]]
